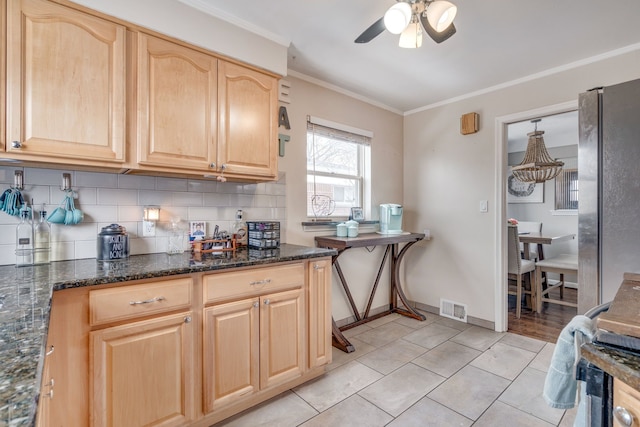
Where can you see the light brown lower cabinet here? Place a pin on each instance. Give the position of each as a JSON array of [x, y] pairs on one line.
[[252, 344], [626, 405], [185, 350], [143, 373]]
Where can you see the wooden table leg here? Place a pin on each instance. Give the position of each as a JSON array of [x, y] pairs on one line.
[[339, 340], [396, 286]]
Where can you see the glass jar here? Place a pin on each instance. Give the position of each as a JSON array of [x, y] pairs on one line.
[[176, 241]]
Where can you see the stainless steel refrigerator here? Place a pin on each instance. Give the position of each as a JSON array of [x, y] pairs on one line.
[[609, 190]]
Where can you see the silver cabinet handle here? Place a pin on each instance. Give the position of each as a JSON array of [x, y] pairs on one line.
[[50, 385], [623, 416], [16, 144], [260, 282], [187, 319], [256, 304], [147, 301], [266, 302], [50, 351], [316, 267], [212, 165]]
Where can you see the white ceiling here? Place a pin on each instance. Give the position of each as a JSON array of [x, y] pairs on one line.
[[497, 42]]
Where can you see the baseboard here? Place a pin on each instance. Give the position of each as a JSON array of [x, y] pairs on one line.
[[424, 307]]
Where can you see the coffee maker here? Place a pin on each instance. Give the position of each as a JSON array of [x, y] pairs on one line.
[[390, 218]]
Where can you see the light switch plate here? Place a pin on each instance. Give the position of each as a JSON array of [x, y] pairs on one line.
[[484, 206]]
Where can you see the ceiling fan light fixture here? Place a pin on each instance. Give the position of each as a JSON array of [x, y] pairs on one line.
[[397, 17], [411, 37], [440, 14]]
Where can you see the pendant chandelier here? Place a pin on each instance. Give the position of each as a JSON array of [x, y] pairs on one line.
[[537, 165]]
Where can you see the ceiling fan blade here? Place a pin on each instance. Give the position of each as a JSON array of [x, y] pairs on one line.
[[437, 37], [372, 32]]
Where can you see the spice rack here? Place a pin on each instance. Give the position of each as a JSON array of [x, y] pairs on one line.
[[206, 246]]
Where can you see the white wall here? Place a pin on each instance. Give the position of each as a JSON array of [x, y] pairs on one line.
[[359, 265], [447, 174], [178, 20]]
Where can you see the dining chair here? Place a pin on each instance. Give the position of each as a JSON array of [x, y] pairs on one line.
[[530, 227], [517, 268]]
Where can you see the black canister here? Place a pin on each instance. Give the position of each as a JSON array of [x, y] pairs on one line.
[[113, 243]]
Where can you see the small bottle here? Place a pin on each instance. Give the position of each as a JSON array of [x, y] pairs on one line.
[[42, 240], [239, 229], [24, 240]]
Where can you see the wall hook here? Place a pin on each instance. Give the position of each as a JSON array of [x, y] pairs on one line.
[[18, 181], [66, 182]]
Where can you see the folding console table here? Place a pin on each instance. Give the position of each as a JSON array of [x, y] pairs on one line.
[[392, 242]]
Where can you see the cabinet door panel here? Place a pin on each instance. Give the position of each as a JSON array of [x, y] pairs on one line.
[[319, 306], [66, 83], [282, 352], [231, 334], [176, 105], [247, 142], [143, 373]]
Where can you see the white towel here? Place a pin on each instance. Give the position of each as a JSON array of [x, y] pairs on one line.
[[560, 385]]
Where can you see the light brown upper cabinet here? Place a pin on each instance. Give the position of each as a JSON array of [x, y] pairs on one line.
[[65, 86], [247, 127], [176, 106], [197, 114]]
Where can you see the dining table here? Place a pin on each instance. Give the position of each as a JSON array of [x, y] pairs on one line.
[[540, 239]]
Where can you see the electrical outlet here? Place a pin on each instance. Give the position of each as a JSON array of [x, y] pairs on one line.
[[148, 228], [427, 234]]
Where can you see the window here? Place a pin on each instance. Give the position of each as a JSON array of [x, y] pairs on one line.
[[567, 190], [337, 161]]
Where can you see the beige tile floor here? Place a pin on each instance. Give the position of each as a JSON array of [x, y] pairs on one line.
[[407, 373]]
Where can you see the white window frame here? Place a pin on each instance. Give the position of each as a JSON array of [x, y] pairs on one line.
[[348, 134]]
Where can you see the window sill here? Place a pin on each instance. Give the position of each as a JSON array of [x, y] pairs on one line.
[[564, 212]]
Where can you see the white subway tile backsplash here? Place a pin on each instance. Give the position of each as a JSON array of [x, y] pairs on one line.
[[184, 198], [66, 250], [202, 186], [100, 213], [230, 187], [216, 199], [130, 213], [8, 234], [241, 200], [93, 179], [137, 182], [85, 196], [86, 248], [160, 198], [108, 196], [172, 184], [262, 200], [34, 176], [111, 198]]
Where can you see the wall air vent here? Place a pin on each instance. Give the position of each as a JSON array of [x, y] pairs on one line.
[[453, 310]]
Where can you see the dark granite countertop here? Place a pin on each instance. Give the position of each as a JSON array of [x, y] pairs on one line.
[[25, 302], [618, 363]]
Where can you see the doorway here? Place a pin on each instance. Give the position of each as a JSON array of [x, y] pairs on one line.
[[503, 124]]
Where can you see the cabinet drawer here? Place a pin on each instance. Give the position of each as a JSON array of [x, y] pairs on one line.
[[241, 284], [128, 302], [626, 402]]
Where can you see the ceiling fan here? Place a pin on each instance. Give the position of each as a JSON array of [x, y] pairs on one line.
[[409, 17]]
